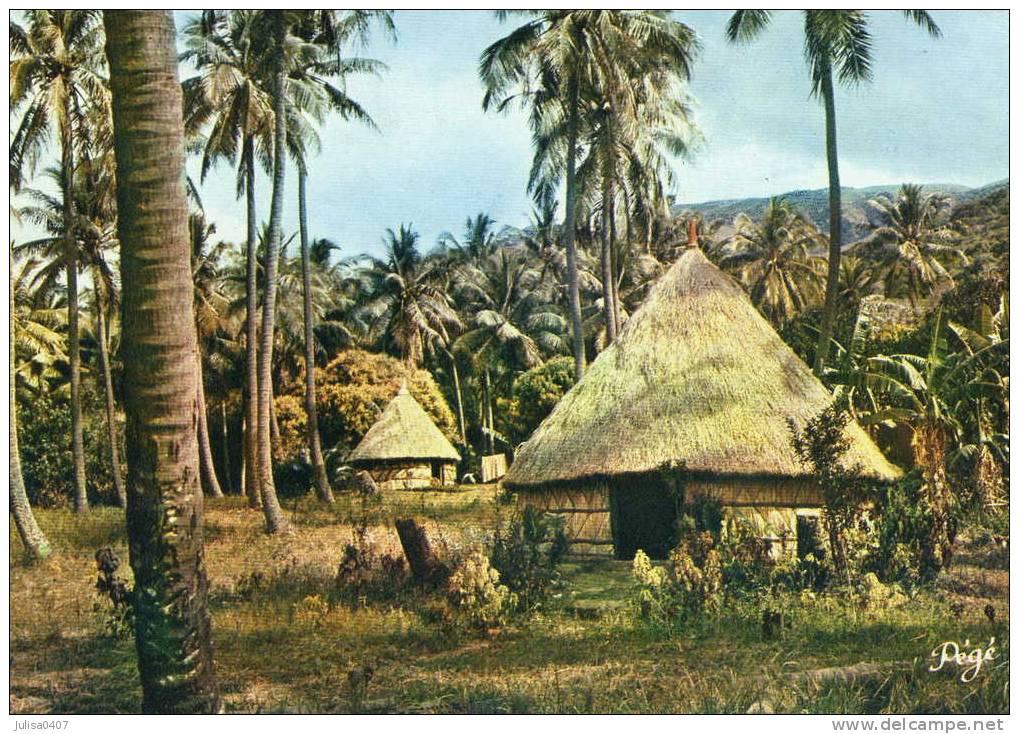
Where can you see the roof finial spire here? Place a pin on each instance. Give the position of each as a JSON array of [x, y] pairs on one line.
[[692, 239], [403, 387]]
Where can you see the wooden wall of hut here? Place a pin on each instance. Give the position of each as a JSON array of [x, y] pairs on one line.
[[585, 509], [770, 507], [403, 475]]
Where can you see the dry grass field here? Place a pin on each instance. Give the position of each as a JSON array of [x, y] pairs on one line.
[[286, 635]]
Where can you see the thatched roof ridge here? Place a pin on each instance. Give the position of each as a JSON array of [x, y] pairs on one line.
[[696, 375], [403, 431]]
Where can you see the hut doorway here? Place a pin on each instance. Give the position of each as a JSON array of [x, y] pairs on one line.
[[643, 518]]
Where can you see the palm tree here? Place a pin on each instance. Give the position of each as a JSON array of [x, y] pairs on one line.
[[95, 189], [513, 324], [275, 28], [29, 326], [477, 243], [836, 42], [406, 310], [549, 64], [633, 126], [229, 98], [773, 260], [315, 72], [164, 514], [911, 239], [38, 321], [857, 280], [55, 63], [94, 237], [210, 307]]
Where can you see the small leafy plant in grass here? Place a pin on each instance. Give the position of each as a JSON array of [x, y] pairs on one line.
[[113, 599], [527, 552], [476, 596], [689, 585]]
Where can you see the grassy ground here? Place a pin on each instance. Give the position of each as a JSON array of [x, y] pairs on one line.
[[278, 649]]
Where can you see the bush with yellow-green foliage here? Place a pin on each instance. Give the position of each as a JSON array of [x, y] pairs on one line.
[[475, 595], [352, 391], [535, 393], [293, 423]]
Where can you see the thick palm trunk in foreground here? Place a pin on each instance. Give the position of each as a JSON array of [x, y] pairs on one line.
[[274, 519], [164, 499], [35, 542], [834, 225], [318, 464], [111, 404]]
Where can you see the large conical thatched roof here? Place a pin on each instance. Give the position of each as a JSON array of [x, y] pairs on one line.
[[696, 375], [403, 431]]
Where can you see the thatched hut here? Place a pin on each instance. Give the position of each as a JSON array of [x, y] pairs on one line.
[[404, 449], [693, 398]]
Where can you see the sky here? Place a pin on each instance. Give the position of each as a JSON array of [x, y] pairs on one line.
[[936, 112]]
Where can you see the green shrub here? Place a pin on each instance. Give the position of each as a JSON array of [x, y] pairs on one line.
[[352, 391], [746, 562], [44, 441], [357, 385], [476, 597], [821, 447], [705, 514], [535, 393], [526, 553], [688, 586]]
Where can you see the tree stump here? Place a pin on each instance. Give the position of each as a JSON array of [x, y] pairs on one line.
[[365, 484], [426, 568]]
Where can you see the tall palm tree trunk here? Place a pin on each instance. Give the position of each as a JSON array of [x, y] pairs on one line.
[[608, 309], [572, 275], [164, 500], [274, 519], [32, 537], [834, 224], [274, 424], [111, 405], [250, 392], [458, 398], [614, 269], [73, 329], [225, 436], [486, 413], [318, 464], [206, 463]]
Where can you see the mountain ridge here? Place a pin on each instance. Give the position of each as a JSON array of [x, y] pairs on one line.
[[813, 203]]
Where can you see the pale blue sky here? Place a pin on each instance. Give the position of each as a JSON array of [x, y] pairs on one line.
[[937, 111]]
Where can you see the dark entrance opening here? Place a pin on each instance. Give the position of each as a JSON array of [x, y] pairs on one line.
[[643, 517], [437, 470]]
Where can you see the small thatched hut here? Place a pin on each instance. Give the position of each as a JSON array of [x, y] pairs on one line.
[[697, 379], [404, 449]]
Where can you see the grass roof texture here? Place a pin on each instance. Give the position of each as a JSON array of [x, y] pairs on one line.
[[403, 431], [696, 375]]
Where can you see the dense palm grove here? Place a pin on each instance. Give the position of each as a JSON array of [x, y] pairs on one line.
[[499, 317], [479, 309]]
